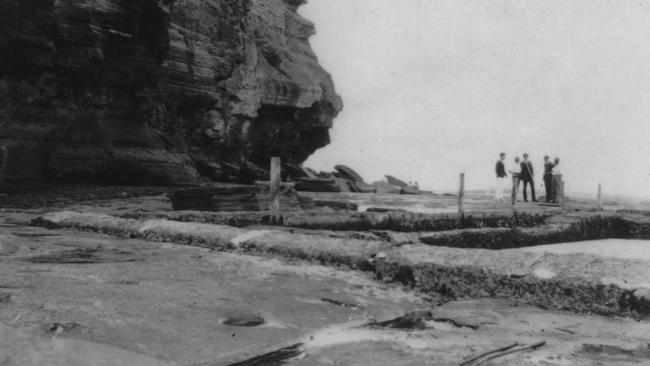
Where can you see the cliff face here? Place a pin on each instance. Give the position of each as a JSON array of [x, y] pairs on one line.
[[157, 91]]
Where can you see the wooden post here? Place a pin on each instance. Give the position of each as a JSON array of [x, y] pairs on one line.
[[600, 197], [461, 194], [274, 203], [561, 197]]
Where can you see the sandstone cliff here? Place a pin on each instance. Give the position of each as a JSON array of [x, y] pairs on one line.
[[158, 91]]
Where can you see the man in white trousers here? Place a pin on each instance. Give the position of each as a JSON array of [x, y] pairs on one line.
[[515, 172]]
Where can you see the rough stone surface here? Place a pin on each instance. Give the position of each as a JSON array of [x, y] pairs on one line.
[[408, 190], [234, 198], [179, 306], [348, 173], [147, 91], [395, 181], [171, 306], [336, 205], [318, 185], [580, 283], [558, 229]]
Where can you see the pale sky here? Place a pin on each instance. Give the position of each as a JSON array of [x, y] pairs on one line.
[[433, 88]]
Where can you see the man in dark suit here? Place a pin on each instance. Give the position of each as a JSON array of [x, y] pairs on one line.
[[500, 171], [528, 177], [548, 178]]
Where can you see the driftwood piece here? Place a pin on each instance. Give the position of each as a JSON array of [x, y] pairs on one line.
[[496, 354], [501, 349]]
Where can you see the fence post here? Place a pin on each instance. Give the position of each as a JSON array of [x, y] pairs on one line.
[[274, 202], [461, 194], [600, 197], [562, 197]]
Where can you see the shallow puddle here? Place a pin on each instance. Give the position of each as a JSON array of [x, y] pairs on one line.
[[615, 248], [344, 334], [87, 255]]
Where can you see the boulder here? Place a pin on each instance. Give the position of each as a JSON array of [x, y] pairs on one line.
[[296, 172], [395, 182], [210, 170], [383, 186], [361, 187], [409, 190], [230, 170], [249, 173], [326, 175], [312, 173], [343, 184], [317, 185], [349, 174]]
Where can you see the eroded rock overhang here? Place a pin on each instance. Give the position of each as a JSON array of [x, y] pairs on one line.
[[158, 91]]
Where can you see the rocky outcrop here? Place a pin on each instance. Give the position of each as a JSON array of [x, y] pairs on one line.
[[147, 91], [383, 186], [353, 179], [318, 185], [395, 181], [409, 190], [348, 173], [344, 179]]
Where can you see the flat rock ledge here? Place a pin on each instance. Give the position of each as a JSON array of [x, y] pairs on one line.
[[581, 283]]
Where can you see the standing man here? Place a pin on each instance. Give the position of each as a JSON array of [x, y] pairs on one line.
[[515, 172], [548, 178], [528, 177], [558, 188], [500, 171]]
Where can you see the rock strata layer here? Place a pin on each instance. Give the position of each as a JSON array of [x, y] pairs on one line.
[[164, 91], [237, 198]]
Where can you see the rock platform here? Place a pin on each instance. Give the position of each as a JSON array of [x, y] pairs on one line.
[[124, 279], [574, 282]]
